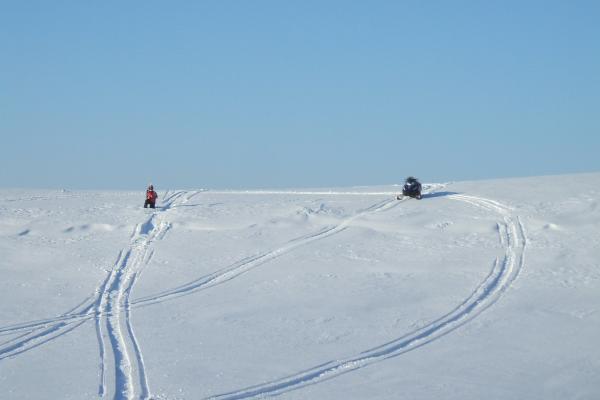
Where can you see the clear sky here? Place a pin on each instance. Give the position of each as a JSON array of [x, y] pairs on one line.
[[255, 94]]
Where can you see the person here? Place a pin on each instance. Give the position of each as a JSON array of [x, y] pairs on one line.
[[151, 197]]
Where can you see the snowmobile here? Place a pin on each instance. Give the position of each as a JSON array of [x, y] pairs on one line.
[[412, 188]]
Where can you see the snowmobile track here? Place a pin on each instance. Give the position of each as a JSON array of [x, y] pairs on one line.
[[490, 290], [113, 312], [41, 332], [110, 309], [94, 308], [232, 271], [111, 306]]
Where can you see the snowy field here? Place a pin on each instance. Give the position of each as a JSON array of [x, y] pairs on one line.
[[481, 290]]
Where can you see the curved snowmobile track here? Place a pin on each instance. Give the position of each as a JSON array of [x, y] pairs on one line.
[[110, 307], [505, 271], [113, 311], [232, 271], [113, 320], [91, 308], [40, 332]]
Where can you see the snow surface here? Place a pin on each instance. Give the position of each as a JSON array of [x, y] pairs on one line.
[[482, 290]]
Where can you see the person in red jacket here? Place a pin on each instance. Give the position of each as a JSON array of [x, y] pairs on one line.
[[151, 197]]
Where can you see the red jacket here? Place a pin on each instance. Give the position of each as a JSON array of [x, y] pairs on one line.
[[151, 195]]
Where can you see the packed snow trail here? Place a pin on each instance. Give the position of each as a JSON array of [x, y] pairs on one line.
[[502, 275]]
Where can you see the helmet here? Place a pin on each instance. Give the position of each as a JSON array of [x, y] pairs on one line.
[[151, 187]]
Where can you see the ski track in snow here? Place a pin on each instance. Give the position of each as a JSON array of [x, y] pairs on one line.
[[505, 271], [111, 306]]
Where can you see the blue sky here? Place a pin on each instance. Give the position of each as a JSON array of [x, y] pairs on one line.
[[254, 94]]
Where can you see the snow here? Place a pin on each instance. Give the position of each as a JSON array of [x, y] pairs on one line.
[[487, 289]]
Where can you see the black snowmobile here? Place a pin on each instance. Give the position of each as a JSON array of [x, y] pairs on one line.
[[412, 188]]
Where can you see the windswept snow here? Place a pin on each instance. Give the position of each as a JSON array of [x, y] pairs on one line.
[[484, 289]]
